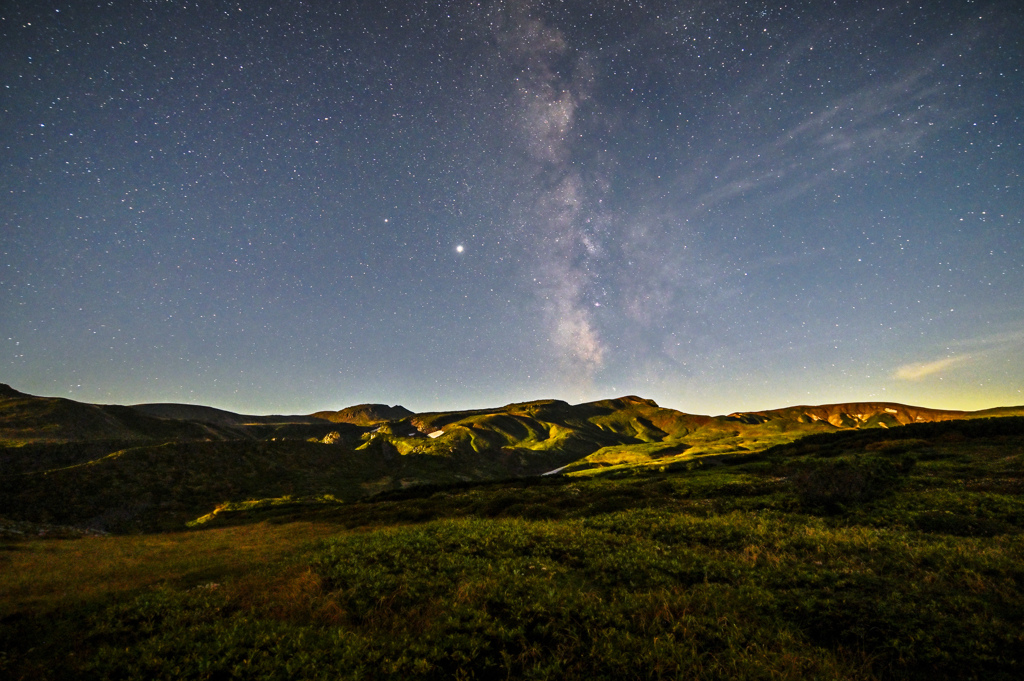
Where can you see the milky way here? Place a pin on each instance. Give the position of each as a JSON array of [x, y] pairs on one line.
[[293, 206]]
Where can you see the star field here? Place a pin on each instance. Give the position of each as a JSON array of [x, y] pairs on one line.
[[293, 206]]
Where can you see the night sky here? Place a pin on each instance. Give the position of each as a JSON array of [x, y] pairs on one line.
[[281, 207]]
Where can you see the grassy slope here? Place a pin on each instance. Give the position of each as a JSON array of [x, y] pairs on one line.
[[871, 554]]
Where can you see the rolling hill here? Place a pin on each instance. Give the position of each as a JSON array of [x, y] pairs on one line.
[[220, 417], [119, 468]]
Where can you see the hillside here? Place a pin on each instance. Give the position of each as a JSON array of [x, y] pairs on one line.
[[864, 553], [26, 418]]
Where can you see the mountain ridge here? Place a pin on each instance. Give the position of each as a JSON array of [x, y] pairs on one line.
[[223, 417], [852, 414], [36, 418], [130, 468]]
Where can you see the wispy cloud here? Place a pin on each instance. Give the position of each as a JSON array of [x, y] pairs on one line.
[[969, 351], [918, 370], [1010, 338], [878, 121]]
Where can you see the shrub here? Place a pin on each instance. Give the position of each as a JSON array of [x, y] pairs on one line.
[[496, 505], [959, 525], [838, 483]]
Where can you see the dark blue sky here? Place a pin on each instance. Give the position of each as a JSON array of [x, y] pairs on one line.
[[719, 205]]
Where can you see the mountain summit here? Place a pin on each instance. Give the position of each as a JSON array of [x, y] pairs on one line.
[[365, 414]]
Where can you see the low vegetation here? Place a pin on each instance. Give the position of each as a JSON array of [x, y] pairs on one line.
[[871, 554]]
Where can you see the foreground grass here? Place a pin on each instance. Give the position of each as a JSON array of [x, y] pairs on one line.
[[42, 576], [839, 559]]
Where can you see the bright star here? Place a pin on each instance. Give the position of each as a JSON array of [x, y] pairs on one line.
[[459, 249]]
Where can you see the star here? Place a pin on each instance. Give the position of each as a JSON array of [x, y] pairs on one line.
[[675, 203]]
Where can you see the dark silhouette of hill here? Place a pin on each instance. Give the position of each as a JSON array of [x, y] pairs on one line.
[[8, 391], [219, 417], [27, 418], [997, 412]]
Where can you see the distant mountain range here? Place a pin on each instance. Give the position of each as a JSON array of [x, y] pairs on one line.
[[868, 414], [542, 425], [156, 465]]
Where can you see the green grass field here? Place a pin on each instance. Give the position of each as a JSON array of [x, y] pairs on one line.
[[881, 554]]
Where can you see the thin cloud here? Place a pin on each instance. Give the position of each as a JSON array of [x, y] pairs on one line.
[[1006, 339], [973, 350], [918, 370]]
